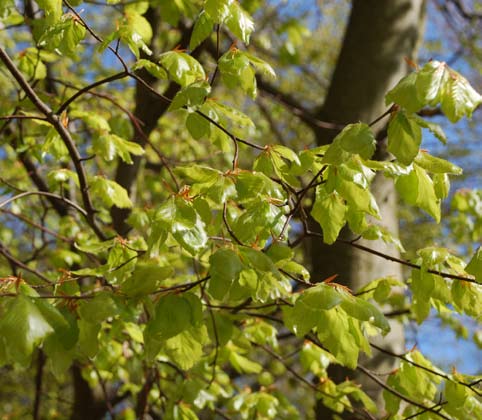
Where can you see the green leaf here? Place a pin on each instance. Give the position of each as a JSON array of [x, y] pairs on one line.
[[286, 153], [436, 165], [434, 128], [358, 198], [260, 220], [405, 94], [152, 68], [306, 313], [260, 65], [22, 328], [59, 358], [188, 228], [239, 22], [186, 348], [97, 309], [218, 10], [242, 364], [459, 99], [365, 311], [109, 145], [94, 120], [136, 30], [441, 185], [54, 145], [145, 279], [430, 82], [88, 338], [202, 29], [236, 71], [322, 296], [64, 36], [197, 125], [237, 121], [60, 321], [404, 137], [225, 267], [6, 7], [31, 65], [191, 96], [183, 68], [357, 138], [52, 8], [174, 314], [329, 211], [110, 192], [417, 188], [474, 267], [340, 335]]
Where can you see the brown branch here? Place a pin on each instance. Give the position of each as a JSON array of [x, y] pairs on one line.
[[22, 117], [17, 263], [38, 385], [399, 394], [226, 223], [394, 259], [86, 89], [302, 379], [459, 6], [295, 107], [38, 226], [46, 194], [433, 372], [64, 135], [143, 395]]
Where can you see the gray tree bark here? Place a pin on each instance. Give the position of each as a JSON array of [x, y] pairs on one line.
[[379, 36]]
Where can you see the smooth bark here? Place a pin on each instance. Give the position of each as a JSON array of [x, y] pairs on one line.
[[380, 36]]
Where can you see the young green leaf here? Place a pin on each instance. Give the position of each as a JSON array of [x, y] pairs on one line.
[[23, 327], [110, 192], [459, 99], [474, 267], [109, 145], [329, 211], [183, 68], [202, 29], [239, 22], [404, 137]]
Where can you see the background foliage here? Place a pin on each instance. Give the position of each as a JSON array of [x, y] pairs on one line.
[[159, 183]]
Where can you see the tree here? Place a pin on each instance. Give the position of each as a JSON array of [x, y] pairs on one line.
[[151, 238]]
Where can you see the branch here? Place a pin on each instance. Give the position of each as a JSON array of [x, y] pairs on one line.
[[38, 226], [38, 385], [46, 194], [17, 263], [463, 11], [400, 395], [63, 133], [302, 379], [395, 259], [226, 223], [143, 395], [86, 89], [433, 372], [295, 107]]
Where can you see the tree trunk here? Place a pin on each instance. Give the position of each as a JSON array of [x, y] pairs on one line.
[[379, 36]]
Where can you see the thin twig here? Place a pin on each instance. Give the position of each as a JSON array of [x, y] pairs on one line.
[[399, 394], [17, 263], [226, 223], [86, 89], [63, 133]]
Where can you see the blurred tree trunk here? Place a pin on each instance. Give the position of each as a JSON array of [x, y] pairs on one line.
[[379, 36]]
